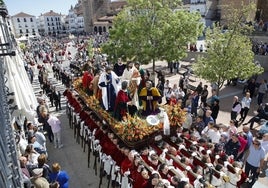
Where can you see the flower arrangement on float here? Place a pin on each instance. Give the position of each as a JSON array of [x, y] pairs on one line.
[[133, 128], [176, 114]]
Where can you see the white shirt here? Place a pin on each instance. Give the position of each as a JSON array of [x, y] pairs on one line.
[[214, 135], [246, 102], [54, 123]]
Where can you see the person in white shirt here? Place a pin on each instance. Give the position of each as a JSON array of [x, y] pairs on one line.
[[245, 107], [55, 125], [214, 134], [236, 108]]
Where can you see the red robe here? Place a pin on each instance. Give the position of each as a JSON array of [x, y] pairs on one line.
[[120, 108], [138, 180], [126, 165], [86, 80]]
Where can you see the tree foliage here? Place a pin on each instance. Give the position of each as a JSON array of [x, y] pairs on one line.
[[150, 30], [229, 54]]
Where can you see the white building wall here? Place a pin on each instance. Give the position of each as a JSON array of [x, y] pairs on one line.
[[75, 23], [51, 24], [24, 26]]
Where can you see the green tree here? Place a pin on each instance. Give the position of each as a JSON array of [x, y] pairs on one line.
[[151, 30], [90, 48], [229, 54]]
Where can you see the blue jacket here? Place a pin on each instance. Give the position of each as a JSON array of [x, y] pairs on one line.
[[61, 177]]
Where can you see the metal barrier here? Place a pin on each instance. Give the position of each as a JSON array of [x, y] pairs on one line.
[[10, 174]]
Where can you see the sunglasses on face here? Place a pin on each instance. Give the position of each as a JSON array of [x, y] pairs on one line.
[[257, 144]]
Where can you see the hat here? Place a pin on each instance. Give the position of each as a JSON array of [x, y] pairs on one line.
[[37, 171]]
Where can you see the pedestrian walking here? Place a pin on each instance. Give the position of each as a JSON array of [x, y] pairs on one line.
[[245, 107], [55, 125]]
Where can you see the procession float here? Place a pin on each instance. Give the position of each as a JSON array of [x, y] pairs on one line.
[[136, 131]]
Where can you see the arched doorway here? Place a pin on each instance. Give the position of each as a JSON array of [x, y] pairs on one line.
[[100, 29], [95, 29]]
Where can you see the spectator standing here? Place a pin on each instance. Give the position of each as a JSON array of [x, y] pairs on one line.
[[40, 137], [236, 108], [42, 159], [59, 175], [232, 146], [43, 119], [199, 88], [37, 180], [251, 87], [25, 172], [249, 135], [254, 161], [208, 118], [194, 103], [215, 108], [204, 95], [214, 96], [261, 91], [245, 107]]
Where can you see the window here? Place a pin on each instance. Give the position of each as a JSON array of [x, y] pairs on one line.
[[47, 19], [31, 19], [21, 31], [47, 24], [25, 20], [27, 31], [33, 30], [18, 20], [52, 19]]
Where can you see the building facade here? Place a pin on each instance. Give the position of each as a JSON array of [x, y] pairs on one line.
[[75, 20], [92, 10], [51, 24], [24, 25]]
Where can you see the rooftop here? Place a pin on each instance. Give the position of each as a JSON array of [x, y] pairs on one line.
[[51, 13], [22, 14]]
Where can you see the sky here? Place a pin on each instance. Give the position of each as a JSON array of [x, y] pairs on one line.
[[36, 7]]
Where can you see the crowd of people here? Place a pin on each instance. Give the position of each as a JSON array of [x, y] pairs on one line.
[[180, 160], [45, 128], [260, 48], [229, 150], [200, 153]]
